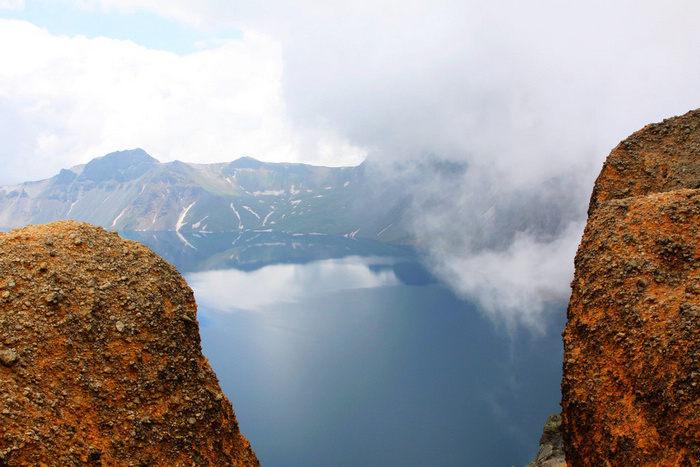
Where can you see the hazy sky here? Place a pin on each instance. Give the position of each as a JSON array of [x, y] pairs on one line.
[[521, 91], [535, 84]]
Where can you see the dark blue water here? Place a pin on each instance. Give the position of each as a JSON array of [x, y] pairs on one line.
[[339, 362]]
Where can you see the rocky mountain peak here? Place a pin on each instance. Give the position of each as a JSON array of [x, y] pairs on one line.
[[246, 163], [100, 357], [120, 166]]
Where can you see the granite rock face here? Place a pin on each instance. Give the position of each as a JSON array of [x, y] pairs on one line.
[[100, 357], [631, 383]]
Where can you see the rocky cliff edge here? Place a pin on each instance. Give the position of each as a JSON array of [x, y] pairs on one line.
[[631, 382], [100, 357]]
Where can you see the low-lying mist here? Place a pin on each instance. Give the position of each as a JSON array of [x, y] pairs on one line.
[[508, 247]]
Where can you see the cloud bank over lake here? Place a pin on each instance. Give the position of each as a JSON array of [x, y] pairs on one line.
[[529, 97]]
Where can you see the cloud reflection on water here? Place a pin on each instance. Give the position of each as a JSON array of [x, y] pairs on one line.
[[233, 290]]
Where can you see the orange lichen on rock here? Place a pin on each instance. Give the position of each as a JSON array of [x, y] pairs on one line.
[[631, 383], [659, 158], [100, 357]]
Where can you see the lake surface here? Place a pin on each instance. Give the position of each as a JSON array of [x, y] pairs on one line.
[[346, 352], [369, 361]]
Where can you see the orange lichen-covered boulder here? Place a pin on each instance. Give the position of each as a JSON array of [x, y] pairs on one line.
[[631, 383], [100, 357]]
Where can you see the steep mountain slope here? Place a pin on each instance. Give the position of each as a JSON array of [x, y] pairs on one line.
[[131, 191], [100, 357], [631, 383]]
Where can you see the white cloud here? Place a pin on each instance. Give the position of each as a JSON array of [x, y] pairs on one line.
[[73, 98], [513, 286], [523, 92], [17, 5], [507, 247], [525, 86], [203, 14]]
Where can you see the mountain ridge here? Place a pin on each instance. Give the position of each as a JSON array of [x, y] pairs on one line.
[[132, 191]]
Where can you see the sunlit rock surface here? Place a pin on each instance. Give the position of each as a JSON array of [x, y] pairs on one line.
[[100, 357], [631, 383]]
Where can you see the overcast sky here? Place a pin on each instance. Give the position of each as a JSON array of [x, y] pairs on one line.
[[521, 91]]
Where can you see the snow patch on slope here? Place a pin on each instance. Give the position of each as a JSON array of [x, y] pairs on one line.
[[240, 224], [114, 222], [180, 223], [73, 204], [267, 217], [268, 193], [251, 211]]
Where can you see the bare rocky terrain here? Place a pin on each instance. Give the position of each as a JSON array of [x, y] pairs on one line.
[[100, 357]]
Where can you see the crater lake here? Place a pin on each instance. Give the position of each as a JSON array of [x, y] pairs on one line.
[[346, 352]]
